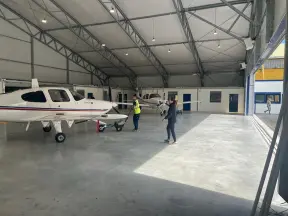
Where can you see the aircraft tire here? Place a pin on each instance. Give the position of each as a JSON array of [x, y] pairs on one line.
[[47, 129], [60, 137], [101, 128], [118, 129]]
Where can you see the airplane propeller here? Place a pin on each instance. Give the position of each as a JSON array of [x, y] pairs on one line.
[[114, 105]]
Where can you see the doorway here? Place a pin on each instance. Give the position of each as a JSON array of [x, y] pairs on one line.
[[120, 101], [125, 100], [172, 94], [233, 102], [186, 98]]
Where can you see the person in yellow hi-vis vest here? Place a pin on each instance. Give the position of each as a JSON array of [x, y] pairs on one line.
[[137, 111]]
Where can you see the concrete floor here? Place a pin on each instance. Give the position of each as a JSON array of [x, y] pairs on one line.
[[214, 170], [269, 120]]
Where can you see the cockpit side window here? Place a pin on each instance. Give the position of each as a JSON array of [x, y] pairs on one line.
[[77, 96], [155, 96], [36, 97], [58, 95]]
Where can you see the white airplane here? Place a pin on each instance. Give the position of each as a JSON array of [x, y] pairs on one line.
[[154, 100], [52, 105]]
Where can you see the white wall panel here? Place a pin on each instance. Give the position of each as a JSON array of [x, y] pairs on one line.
[[223, 80], [47, 74], [184, 81], [80, 78], [44, 55], [97, 92], [10, 30], [75, 67], [153, 81], [280, 7], [14, 49], [223, 107], [122, 82], [13, 70]]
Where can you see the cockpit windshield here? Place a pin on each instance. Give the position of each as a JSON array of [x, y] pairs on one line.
[[155, 96], [77, 96]]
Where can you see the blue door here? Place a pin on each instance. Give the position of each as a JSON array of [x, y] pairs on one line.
[[186, 97], [233, 103]]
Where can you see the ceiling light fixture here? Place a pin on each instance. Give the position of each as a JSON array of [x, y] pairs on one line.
[[153, 39], [215, 32], [44, 21], [112, 10], [126, 54], [103, 45], [169, 51]]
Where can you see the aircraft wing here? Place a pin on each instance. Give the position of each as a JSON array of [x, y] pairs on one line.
[[79, 117], [189, 102], [131, 104]]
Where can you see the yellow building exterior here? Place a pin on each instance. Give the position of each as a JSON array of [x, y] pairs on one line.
[[272, 73]]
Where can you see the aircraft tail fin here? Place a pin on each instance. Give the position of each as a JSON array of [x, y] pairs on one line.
[[35, 83]]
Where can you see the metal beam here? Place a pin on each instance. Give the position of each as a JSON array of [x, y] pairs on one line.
[[197, 8], [189, 36], [165, 44], [32, 57], [238, 17], [237, 11], [38, 34], [135, 36], [218, 27], [87, 37], [270, 5]]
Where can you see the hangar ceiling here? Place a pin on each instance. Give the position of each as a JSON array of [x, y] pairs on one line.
[[134, 38]]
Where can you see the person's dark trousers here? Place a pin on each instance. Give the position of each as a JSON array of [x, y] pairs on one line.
[[136, 120], [171, 130]]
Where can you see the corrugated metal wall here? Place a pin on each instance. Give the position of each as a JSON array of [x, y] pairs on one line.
[[274, 63]]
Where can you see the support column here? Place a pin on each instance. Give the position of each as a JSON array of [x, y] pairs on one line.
[[32, 57], [67, 71], [270, 5], [249, 95]]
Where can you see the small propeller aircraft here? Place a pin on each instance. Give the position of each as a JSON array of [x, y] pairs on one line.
[[52, 105], [154, 100]]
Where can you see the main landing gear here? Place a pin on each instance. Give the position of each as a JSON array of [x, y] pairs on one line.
[[47, 128], [163, 113]]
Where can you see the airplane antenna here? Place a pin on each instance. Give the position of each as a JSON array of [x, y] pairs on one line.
[[35, 83]]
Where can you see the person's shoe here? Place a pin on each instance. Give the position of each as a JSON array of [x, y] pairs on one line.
[[167, 141], [135, 130], [175, 142]]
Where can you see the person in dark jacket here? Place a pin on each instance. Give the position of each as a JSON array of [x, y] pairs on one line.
[[171, 117]]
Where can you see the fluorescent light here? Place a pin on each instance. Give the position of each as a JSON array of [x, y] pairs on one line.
[[126, 54], [112, 10], [153, 39], [103, 45], [44, 20], [169, 50]]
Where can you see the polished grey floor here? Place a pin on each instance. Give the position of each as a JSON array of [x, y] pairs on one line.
[[213, 170]]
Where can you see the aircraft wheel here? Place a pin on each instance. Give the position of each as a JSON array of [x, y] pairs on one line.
[[60, 137], [101, 128], [119, 128], [47, 129]]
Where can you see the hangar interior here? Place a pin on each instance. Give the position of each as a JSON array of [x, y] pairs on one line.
[[204, 52]]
